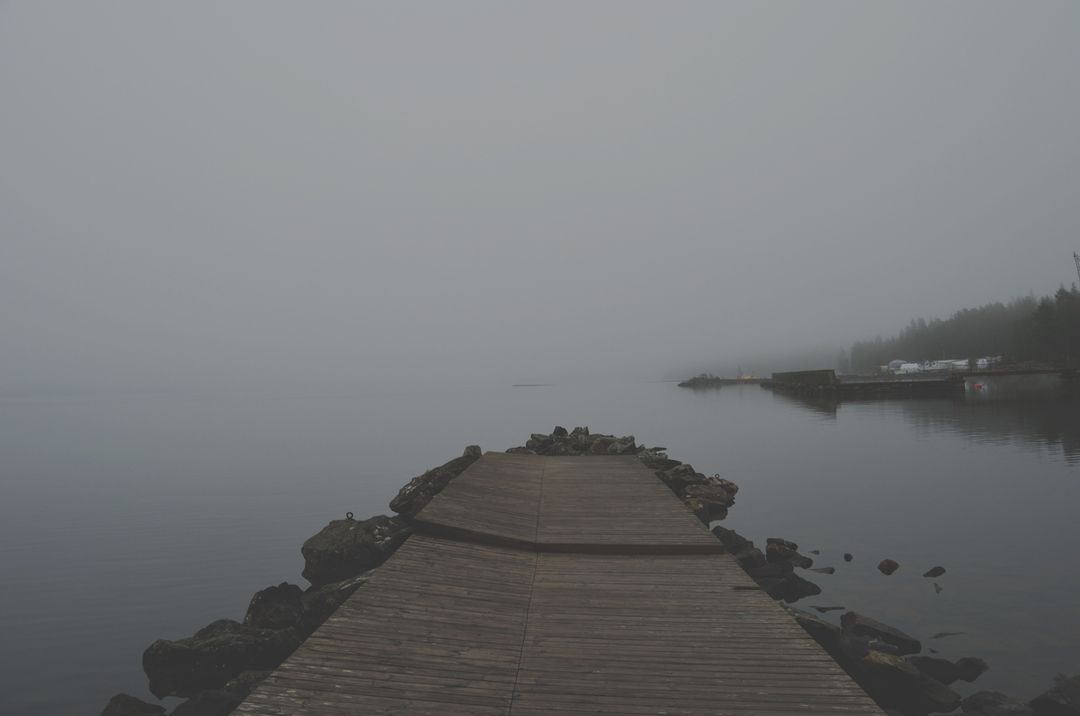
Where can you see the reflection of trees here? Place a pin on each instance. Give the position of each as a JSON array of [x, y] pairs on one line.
[[823, 404], [1049, 423]]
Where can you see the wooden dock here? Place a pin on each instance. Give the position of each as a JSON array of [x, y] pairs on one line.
[[538, 585]]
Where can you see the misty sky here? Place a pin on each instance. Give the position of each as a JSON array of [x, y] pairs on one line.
[[249, 192]]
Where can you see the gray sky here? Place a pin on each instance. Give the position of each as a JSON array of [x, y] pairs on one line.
[[206, 192]]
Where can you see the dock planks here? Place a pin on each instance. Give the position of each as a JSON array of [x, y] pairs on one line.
[[541, 585]]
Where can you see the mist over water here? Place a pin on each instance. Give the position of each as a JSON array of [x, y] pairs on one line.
[[145, 517], [262, 262], [267, 194]]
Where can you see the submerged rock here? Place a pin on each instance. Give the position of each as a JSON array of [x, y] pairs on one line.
[[848, 556], [994, 703], [861, 625], [214, 655], [345, 548], [1061, 700], [824, 570], [217, 702], [125, 705], [934, 571], [419, 490], [888, 566]]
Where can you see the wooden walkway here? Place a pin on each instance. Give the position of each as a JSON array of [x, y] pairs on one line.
[[542, 585]]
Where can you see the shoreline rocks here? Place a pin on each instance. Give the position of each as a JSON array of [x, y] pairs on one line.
[[418, 491], [217, 667], [211, 657], [345, 548]]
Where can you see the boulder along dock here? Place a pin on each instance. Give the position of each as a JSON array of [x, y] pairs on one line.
[[534, 584]]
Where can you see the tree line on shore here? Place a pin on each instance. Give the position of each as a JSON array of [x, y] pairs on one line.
[[1044, 330]]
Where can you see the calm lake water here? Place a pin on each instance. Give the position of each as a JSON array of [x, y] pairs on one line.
[[127, 518]]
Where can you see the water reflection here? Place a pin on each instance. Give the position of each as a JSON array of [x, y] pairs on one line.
[[1051, 421]]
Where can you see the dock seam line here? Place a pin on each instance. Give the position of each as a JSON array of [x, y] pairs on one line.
[[532, 591]]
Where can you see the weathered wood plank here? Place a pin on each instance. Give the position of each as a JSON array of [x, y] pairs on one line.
[[540, 585]]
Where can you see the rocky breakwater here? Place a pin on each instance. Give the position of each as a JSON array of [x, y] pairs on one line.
[[707, 497], [218, 665]]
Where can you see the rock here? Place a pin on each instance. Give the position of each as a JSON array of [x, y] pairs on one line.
[[749, 557], [966, 669], [623, 446], [599, 444], [657, 460], [853, 647], [826, 610], [782, 542], [994, 703], [679, 477], [778, 550], [559, 432], [936, 668], [971, 668], [716, 497], [893, 682], [345, 548], [275, 607], [538, 442], [884, 647], [1062, 700], [848, 556], [856, 623], [793, 588], [125, 705], [826, 634], [246, 682], [521, 451], [318, 603], [214, 655], [209, 703], [888, 566], [770, 570], [944, 634], [934, 572], [706, 512], [419, 490], [731, 539], [824, 570]]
